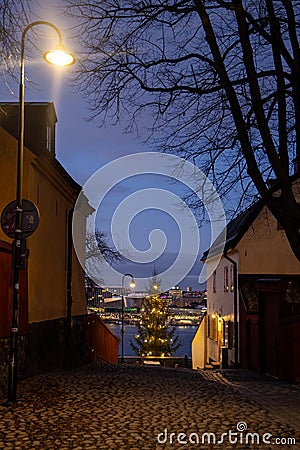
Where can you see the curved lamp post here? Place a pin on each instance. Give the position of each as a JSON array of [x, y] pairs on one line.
[[132, 284], [58, 56]]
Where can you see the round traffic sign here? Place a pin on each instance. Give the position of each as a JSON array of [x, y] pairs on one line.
[[30, 218]]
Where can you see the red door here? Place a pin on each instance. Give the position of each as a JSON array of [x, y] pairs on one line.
[[253, 348], [6, 293], [271, 298], [270, 314]]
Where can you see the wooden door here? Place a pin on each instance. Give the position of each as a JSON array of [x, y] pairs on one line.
[[6, 293], [271, 297], [270, 313]]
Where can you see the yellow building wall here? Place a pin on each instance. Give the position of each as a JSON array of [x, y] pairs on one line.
[[8, 167], [199, 346], [264, 249], [47, 261], [78, 288]]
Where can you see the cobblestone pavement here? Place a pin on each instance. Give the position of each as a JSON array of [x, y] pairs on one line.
[[128, 407], [282, 399]]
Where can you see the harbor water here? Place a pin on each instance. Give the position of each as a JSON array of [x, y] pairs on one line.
[[185, 334]]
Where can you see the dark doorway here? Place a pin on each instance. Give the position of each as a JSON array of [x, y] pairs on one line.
[[270, 298]]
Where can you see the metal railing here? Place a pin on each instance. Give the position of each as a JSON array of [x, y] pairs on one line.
[[164, 361]]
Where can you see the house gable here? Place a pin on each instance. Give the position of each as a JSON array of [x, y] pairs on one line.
[[264, 248]]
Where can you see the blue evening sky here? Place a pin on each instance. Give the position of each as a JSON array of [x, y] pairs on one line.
[[83, 148]]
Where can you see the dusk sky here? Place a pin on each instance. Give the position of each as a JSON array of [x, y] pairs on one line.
[[83, 148]]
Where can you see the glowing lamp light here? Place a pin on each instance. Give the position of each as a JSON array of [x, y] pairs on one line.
[[59, 56], [132, 284]]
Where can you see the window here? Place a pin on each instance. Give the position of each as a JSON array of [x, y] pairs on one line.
[[213, 327], [48, 138], [226, 279], [231, 278], [224, 333], [214, 286], [230, 334]]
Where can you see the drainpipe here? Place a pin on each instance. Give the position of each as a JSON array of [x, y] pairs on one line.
[[235, 309], [69, 274]]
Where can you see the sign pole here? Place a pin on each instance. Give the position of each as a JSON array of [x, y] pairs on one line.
[[19, 220]]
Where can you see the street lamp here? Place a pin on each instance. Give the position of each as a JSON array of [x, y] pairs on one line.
[[132, 284], [61, 57]]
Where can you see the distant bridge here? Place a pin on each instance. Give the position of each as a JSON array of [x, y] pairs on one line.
[[130, 301]]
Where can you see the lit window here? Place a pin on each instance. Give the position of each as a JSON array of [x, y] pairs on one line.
[[231, 278], [213, 327], [225, 333], [230, 334]]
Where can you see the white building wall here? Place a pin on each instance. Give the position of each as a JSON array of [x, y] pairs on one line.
[[199, 346], [220, 306]]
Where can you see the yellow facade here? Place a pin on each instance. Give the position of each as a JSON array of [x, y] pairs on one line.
[[49, 187], [264, 248]]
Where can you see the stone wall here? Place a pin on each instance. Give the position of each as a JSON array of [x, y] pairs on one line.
[[4, 346], [51, 345]]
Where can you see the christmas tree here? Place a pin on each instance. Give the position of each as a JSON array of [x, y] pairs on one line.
[[156, 335]]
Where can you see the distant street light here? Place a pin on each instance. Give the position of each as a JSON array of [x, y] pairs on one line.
[[132, 284], [60, 57]]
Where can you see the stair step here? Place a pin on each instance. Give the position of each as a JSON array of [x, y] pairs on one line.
[[216, 365]]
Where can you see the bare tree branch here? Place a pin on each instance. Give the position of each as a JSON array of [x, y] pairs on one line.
[[13, 19], [221, 80], [97, 246]]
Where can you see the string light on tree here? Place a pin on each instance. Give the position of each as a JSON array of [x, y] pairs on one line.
[[156, 335]]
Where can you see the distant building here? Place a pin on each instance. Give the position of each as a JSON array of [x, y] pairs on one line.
[[175, 293], [116, 290], [253, 300], [53, 314], [94, 294], [187, 298]]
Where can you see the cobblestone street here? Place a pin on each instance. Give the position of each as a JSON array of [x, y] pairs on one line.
[[127, 407]]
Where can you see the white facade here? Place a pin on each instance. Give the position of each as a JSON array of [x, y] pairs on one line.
[[259, 248], [218, 330], [220, 310]]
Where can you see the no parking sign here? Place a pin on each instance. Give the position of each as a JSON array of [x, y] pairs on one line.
[[30, 218]]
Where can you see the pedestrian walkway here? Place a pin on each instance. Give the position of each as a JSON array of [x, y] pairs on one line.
[[281, 398], [132, 407]]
